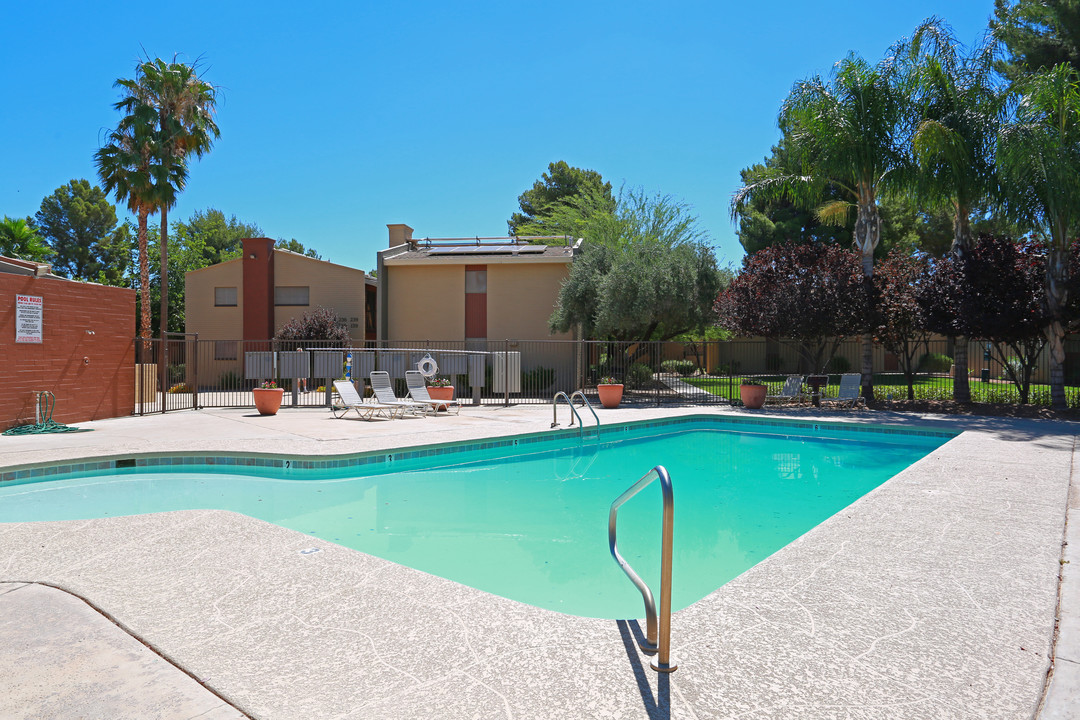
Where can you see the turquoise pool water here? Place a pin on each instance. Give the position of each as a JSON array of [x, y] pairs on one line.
[[530, 523]]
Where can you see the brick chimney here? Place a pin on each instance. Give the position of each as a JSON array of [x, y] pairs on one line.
[[258, 288], [399, 234]]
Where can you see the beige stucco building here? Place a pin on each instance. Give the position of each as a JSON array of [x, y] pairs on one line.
[[250, 298], [480, 291]]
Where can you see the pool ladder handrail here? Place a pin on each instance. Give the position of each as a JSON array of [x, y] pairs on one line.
[[657, 634], [573, 411]]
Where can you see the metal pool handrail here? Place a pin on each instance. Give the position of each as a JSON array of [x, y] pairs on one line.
[[655, 642], [573, 410], [578, 393]]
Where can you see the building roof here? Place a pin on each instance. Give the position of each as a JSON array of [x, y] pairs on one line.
[[368, 279], [16, 266], [481, 251]]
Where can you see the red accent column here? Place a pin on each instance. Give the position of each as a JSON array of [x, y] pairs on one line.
[[476, 305], [258, 288]]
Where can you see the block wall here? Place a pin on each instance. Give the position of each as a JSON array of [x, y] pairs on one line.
[[87, 357]]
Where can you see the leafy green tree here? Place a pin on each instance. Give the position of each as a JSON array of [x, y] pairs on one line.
[[80, 225], [1038, 34], [184, 105], [294, 245], [559, 185], [645, 272], [767, 220], [185, 253], [220, 236], [845, 133], [1038, 162], [18, 239]]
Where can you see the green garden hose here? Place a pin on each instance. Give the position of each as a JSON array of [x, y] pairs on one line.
[[46, 403]]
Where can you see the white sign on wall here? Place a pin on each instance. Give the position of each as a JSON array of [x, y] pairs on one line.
[[28, 319]]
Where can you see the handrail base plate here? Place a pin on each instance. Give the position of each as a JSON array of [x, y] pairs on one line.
[[669, 668]]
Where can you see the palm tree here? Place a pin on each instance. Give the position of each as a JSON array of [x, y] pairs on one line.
[[959, 110], [1038, 162], [845, 135], [19, 240], [128, 168], [183, 105]]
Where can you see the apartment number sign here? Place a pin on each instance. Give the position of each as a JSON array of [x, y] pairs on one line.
[[28, 318]]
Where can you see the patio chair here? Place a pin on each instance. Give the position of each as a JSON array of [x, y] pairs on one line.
[[848, 394], [791, 392], [417, 385], [349, 399], [384, 393]]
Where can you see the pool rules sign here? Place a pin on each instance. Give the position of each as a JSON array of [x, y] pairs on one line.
[[28, 314]]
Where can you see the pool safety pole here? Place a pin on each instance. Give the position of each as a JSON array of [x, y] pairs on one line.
[[348, 366], [657, 639]]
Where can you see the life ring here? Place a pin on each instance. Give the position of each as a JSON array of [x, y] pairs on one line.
[[427, 367]]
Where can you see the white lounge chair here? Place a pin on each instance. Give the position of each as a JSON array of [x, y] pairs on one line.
[[848, 394], [384, 393], [791, 392], [417, 385], [348, 399]]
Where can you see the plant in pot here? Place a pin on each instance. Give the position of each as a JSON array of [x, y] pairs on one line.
[[268, 397], [610, 391], [752, 394], [439, 388]]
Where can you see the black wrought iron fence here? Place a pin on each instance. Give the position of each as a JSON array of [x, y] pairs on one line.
[[186, 371]]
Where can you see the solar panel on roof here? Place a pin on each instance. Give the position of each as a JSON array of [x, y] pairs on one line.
[[455, 250], [487, 249]]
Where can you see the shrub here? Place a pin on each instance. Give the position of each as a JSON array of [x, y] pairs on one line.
[[229, 379], [319, 323], [1012, 363], [682, 367], [177, 373], [539, 378], [639, 375], [728, 368], [180, 388], [838, 365], [935, 363]]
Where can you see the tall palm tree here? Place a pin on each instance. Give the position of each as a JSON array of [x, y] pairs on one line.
[[128, 168], [845, 134], [1038, 162], [183, 105], [958, 107]]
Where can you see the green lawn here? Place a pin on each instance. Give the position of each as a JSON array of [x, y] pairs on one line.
[[926, 388]]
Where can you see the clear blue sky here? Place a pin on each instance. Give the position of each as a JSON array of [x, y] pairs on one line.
[[338, 118]]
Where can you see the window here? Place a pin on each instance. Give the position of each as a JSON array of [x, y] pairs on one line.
[[224, 297], [224, 349], [291, 295]]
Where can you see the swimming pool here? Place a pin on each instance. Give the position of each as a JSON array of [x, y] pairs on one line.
[[523, 517]]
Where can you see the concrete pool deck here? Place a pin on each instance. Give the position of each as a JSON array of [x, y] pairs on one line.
[[935, 595]]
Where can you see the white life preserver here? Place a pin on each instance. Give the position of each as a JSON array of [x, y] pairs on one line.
[[427, 367]]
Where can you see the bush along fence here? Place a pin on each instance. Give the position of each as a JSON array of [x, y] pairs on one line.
[[188, 372]]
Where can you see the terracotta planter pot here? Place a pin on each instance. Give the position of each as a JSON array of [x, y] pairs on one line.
[[610, 395], [268, 400], [752, 396], [441, 393]]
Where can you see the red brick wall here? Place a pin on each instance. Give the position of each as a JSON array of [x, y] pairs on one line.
[[258, 298], [100, 388]]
